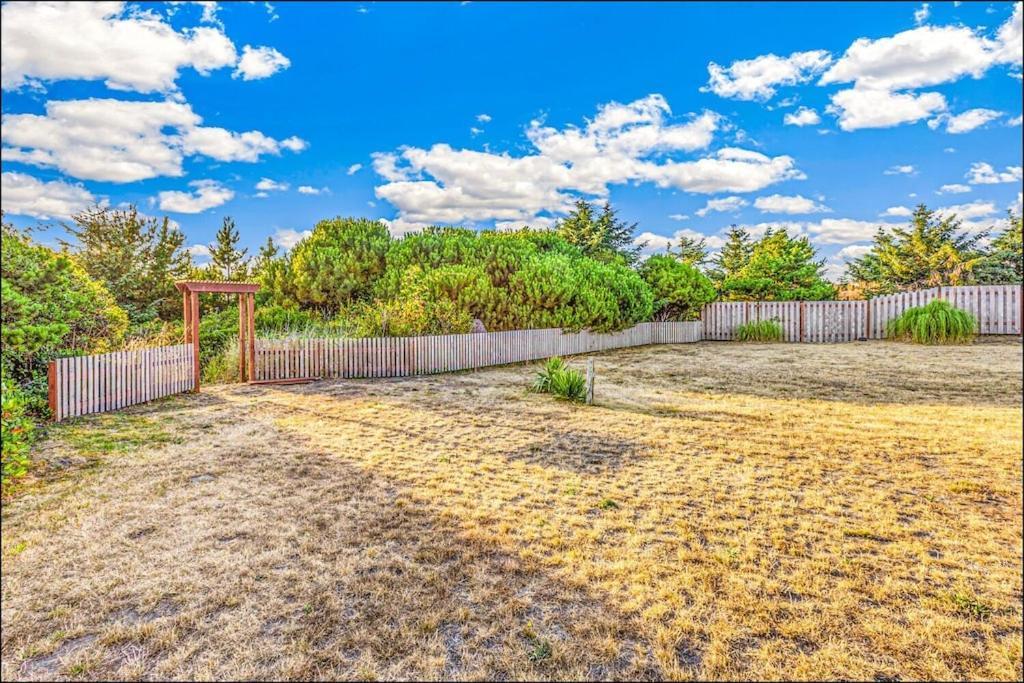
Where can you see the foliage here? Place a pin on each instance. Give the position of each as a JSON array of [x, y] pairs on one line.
[[1004, 263], [780, 268], [691, 251], [930, 252], [603, 237], [735, 254], [16, 431], [410, 316], [267, 255], [559, 379], [136, 258], [680, 290], [227, 261], [759, 331], [337, 264], [937, 322], [50, 306]]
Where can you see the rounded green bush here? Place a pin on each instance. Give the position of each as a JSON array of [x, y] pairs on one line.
[[937, 322]]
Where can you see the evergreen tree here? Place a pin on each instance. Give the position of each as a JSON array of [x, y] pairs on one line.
[[780, 268], [735, 255], [264, 257], [693, 252], [603, 237], [932, 251], [227, 261], [1003, 264], [136, 258]]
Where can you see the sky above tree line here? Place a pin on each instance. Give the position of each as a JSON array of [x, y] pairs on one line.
[[829, 119]]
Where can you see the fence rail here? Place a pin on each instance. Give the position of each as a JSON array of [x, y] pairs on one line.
[[404, 356], [996, 308], [108, 381]]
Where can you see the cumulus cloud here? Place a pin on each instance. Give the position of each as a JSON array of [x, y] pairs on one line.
[[286, 238], [122, 141], [758, 78], [852, 252], [678, 216], [632, 142], [843, 230], [804, 116], [724, 204], [651, 243], [1015, 121], [25, 195], [207, 194], [902, 211], [954, 188], [796, 204], [859, 108], [965, 122], [309, 189], [200, 252], [982, 173], [483, 118], [260, 62], [922, 13], [127, 48], [976, 209], [268, 185], [353, 169], [902, 169]]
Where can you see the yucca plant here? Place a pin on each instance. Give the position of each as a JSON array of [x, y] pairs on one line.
[[542, 383], [570, 384], [759, 331], [937, 322]]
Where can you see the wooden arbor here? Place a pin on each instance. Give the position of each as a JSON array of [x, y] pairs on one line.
[[246, 291]]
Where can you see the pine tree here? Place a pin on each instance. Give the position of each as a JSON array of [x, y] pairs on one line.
[[693, 252], [266, 255], [735, 255], [227, 261], [604, 237]]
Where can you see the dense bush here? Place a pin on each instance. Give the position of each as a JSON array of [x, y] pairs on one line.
[[16, 430], [938, 322], [779, 268], [759, 331], [680, 290]]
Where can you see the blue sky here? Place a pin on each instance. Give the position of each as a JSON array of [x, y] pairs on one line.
[[829, 118]]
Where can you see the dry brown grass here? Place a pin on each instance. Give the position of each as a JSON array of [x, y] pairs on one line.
[[725, 510]]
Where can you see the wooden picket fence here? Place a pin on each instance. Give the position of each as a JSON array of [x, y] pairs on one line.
[[282, 359], [996, 308], [80, 385]]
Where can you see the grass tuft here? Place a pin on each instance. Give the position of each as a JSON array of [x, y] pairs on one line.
[[760, 331], [559, 379], [935, 323]]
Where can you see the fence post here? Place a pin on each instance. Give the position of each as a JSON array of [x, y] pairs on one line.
[[867, 319], [51, 388], [590, 381], [802, 328], [194, 326]]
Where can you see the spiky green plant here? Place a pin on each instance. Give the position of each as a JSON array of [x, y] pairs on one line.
[[542, 383], [937, 322], [570, 384], [759, 331]]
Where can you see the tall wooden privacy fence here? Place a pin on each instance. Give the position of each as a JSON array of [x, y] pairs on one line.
[[279, 359], [997, 308], [95, 384]]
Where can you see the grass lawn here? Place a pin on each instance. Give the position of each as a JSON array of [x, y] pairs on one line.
[[724, 510]]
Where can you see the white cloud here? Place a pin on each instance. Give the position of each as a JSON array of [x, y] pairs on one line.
[[483, 118], [949, 150], [474, 131], [260, 62], [261, 195], [122, 141], [353, 169], [804, 116], [982, 173], [851, 252], [859, 108], [902, 211], [287, 238], [965, 122], [652, 243], [678, 217], [268, 185], [124, 46], [25, 195], [200, 252], [1015, 121], [309, 189], [796, 204], [922, 13], [1015, 207], [954, 188], [904, 169], [623, 143], [294, 144], [757, 79], [207, 195], [976, 209], [537, 223], [843, 230], [725, 204]]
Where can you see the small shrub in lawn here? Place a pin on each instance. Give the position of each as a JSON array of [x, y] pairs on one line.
[[559, 379], [759, 331], [935, 323]]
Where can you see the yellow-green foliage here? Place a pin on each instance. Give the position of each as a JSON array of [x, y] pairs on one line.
[[759, 331], [937, 322]]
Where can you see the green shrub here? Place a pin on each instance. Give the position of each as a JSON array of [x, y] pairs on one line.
[[559, 379], [759, 331], [680, 290], [542, 383], [16, 430], [937, 322]]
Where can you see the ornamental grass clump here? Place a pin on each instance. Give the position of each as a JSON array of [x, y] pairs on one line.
[[559, 379], [760, 331], [935, 323]]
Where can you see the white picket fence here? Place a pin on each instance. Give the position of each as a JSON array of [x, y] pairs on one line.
[[280, 359], [996, 308], [80, 385]]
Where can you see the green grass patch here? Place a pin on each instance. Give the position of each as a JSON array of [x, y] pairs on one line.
[[935, 323], [969, 605], [759, 331], [114, 433]]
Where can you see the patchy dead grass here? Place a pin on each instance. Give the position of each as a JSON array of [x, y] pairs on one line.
[[723, 511]]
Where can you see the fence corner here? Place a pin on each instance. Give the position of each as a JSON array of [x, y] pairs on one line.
[[51, 389]]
